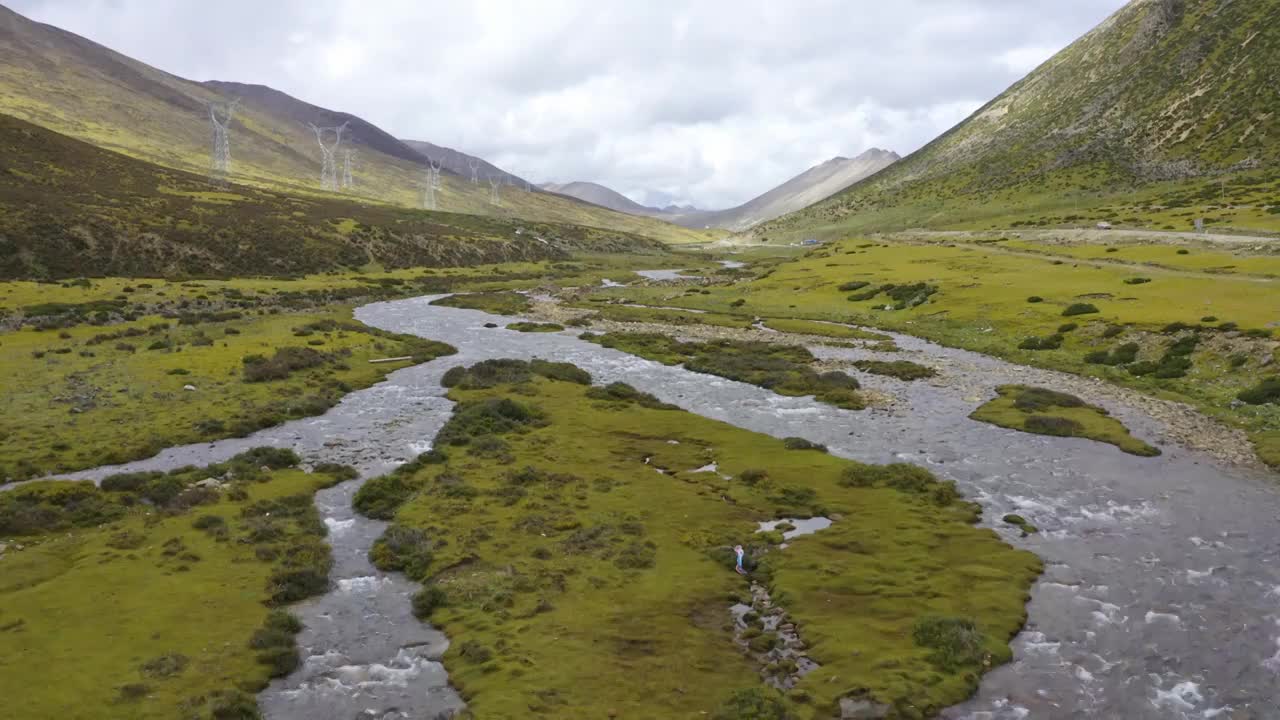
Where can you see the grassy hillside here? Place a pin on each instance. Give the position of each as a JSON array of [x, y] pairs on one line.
[[76, 87], [1162, 114], [70, 209]]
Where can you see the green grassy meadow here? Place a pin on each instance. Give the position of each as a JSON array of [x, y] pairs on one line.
[[580, 568], [118, 609]]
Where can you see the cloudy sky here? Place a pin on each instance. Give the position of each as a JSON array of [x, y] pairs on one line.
[[708, 102]]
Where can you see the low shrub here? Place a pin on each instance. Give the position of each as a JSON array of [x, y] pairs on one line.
[[1035, 299], [956, 642], [851, 286], [753, 704], [403, 549], [1050, 425], [380, 497], [1050, 342], [1266, 392], [491, 416], [1079, 309], [1034, 399], [286, 360], [622, 392], [753, 476], [1067, 327], [426, 600], [799, 443], [1137, 281], [901, 369]]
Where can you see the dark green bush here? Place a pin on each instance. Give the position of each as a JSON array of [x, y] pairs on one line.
[[1050, 342], [901, 369], [1079, 309], [622, 392], [1137, 281], [496, 416], [1035, 299], [426, 600], [380, 497], [753, 476], [1050, 425], [1113, 331], [403, 549], [799, 443], [1035, 399], [285, 361], [1067, 327], [1265, 392]]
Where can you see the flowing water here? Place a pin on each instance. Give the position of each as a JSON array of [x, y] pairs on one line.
[[1160, 599]]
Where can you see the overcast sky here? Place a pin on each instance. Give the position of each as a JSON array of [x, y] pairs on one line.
[[702, 101]]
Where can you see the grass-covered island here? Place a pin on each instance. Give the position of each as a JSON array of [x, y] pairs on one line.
[[575, 543], [1049, 412]]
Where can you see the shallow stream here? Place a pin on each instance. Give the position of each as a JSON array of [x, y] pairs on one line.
[[1160, 599]]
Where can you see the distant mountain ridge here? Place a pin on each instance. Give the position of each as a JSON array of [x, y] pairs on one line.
[[458, 162], [811, 186]]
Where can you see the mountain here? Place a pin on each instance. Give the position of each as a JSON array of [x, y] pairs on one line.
[[459, 163], [604, 197], [810, 186], [1148, 119], [79, 88], [69, 208], [807, 188]]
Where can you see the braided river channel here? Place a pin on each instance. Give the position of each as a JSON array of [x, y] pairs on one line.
[[1161, 592]]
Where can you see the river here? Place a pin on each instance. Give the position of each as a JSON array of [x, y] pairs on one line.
[[1160, 599]]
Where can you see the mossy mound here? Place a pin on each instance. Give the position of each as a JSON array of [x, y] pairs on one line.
[[1048, 412]]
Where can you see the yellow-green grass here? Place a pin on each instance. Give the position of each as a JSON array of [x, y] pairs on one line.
[[78, 618], [551, 615], [822, 329], [1267, 443], [1190, 258], [583, 269], [1087, 421], [66, 411], [982, 304]]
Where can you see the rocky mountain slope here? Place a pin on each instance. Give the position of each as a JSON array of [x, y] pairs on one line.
[[1167, 104], [604, 197], [79, 88], [803, 190]]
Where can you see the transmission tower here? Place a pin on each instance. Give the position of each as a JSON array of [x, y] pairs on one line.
[[429, 190], [436, 166], [495, 182], [220, 162], [474, 164], [328, 163], [348, 159]]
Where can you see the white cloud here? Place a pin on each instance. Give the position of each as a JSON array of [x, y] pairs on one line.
[[710, 102]]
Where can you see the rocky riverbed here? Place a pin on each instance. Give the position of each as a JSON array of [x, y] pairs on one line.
[[972, 375]]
